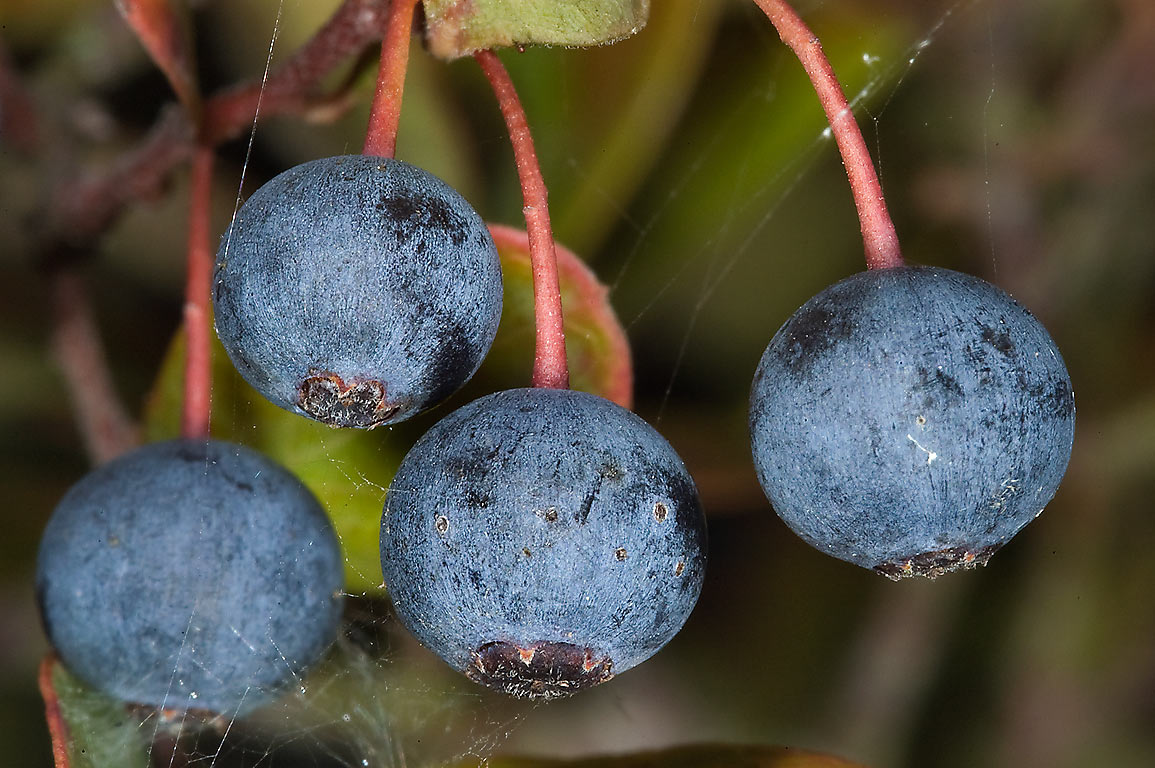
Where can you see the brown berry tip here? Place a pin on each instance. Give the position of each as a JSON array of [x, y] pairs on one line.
[[936, 563], [541, 671], [326, 397]]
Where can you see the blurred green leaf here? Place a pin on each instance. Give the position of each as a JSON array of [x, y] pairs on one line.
[[456, 28], [102, 733], [350, 469]]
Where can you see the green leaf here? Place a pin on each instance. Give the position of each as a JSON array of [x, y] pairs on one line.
[[693, 756], [456, 28], [349, 469], [101, 732]]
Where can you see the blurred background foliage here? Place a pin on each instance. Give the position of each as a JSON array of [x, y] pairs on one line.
[[688, 166]]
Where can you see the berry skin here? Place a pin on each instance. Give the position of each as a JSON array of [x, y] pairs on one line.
[[911, 420], [542, 541], [190, 575], [357, 290]]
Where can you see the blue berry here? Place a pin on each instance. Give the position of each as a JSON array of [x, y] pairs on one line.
[[190, 575], [542, 541], [911, 420], [357, 290]]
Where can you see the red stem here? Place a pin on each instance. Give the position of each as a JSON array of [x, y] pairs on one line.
[[878, 235], [550, 369], [198, 338], [381, 138], [57, 727], [103, 421]]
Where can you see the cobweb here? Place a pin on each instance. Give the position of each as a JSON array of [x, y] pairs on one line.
[[379, 699]]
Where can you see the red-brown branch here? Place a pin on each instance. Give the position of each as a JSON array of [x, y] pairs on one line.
[[550, 368], [57, 727], [105, 425], [385, 114], [878, 235], [84, 208], [198, 336]]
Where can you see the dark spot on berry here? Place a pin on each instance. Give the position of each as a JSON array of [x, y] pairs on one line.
[[441, 524], [679, 568], [326, 397], [1061, 399], [940, 382], [419, 213], [999, 340], [549, 515], [541, 671], [620, 553], [660, 512], [814, 331], [452, 362]]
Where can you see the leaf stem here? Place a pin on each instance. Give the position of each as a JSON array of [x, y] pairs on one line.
[[550, 369], [878, 235], [385, 114], [57, 727], [198, 337]]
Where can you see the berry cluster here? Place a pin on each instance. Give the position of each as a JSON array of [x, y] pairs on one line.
[[907, 419]]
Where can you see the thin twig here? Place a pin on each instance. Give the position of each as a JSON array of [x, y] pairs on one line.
[[385, 114], [107, 429], [550, 368], [878, 235]]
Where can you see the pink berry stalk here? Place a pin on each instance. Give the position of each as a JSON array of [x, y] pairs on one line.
[[385, 114], [550, 369], [878, 235]]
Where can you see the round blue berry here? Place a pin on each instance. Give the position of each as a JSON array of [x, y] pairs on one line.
[[542, 541], [911, 420], [190, 575], [357, 290]]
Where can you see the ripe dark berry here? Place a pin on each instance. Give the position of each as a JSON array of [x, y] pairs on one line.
[[190, 575], [542, 541], [911, 420], [357, 290]]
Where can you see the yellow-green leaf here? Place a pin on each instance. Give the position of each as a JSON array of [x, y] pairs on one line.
[[456, 28]]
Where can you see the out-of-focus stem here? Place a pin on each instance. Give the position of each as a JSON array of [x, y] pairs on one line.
[[878, 235], [103, 421], [196, 413], [550, 368]]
